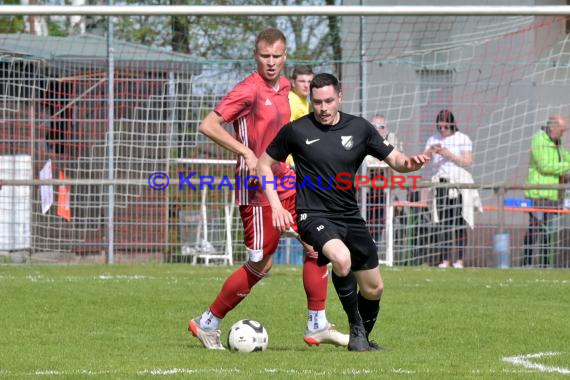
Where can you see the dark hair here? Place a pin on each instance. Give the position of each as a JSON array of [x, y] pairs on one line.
[[301, 70], [322, 80], [270, 35], [446, 116]]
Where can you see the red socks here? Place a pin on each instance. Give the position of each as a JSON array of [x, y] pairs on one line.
[[239, 284], [235, 289], [315, 281]]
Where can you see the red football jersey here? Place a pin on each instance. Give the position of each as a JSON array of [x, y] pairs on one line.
[[257, 113]]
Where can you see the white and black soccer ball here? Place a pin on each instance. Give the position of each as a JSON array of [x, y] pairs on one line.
[[248, 335]]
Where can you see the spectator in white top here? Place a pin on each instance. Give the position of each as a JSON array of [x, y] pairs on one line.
[[449, 150]]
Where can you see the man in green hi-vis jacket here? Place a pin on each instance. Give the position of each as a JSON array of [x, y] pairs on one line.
[[549, 162]]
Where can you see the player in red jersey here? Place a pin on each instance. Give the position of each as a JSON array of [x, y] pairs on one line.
[[258, 107]]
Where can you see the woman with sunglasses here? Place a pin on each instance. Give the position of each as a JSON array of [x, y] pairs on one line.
[[451, 152]]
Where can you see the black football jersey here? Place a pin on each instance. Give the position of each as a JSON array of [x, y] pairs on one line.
[[326, 160]]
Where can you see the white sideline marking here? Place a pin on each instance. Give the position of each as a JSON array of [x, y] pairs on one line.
[[221, 371], [120, 277], [187, 371], [50, 372], [523, 360], [190, 371]]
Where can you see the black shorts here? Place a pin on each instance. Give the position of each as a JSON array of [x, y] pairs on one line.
[[317, 230]]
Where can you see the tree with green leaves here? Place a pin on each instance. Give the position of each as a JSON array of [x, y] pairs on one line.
[[12, 24], [311, 38]]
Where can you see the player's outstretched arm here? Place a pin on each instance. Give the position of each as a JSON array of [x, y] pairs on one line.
[[213, 127], [282, 219], [403, 163]]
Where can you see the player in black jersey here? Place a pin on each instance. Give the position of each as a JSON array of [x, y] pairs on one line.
[[328, 147]]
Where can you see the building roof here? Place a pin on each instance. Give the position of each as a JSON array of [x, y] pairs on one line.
[[92, 48]]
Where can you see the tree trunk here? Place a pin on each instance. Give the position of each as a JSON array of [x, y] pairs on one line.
[[334, 40], [180, 31]]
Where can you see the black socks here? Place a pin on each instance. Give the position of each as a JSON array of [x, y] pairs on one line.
[[369, 310], [346, 289]]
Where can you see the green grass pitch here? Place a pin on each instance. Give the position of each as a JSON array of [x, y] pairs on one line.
[[130, 322]]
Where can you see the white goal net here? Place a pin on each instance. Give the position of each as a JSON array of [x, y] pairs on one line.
[[501, 76]]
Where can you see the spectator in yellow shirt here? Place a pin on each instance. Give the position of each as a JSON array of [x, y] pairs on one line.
[[301, 78]]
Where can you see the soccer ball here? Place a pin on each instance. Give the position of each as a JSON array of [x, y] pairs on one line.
[[248, 336]]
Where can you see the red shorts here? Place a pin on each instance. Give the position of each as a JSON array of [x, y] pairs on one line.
[[260, 237]]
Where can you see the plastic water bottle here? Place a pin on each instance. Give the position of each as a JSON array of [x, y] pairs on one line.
[[501, 243]]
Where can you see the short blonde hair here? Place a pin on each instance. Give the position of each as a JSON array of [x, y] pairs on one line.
[[270, 35]]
